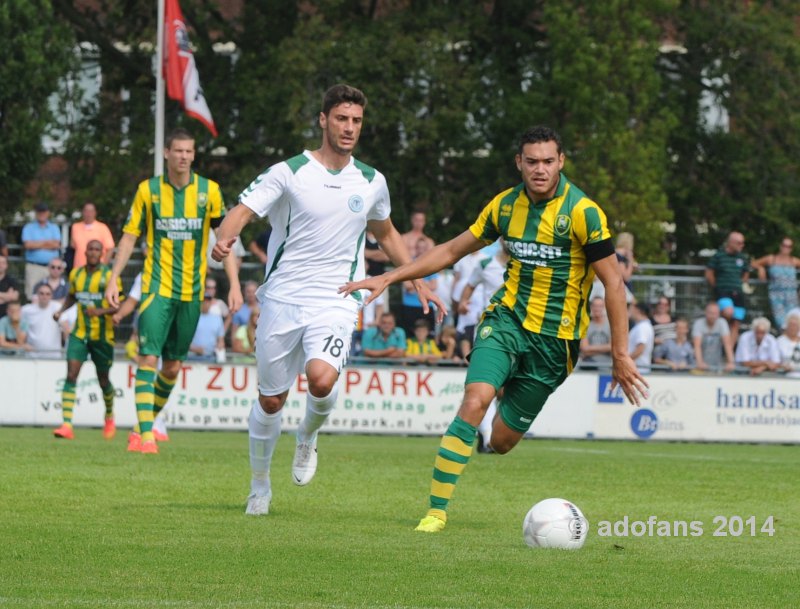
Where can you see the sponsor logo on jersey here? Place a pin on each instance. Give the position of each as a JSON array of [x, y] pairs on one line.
[[530, 252], [355, 203], [202, 199], [486, 331], [505, 210], [563, 224]]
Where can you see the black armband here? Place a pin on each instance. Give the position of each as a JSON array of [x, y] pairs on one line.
[[215, 222], [598, 251]]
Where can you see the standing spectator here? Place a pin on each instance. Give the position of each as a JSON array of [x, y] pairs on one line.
[[626, 259], [641, 337], [89, 228], [758, 349], [93, 336], [461, 274], [711, 339], [417, 232], [412, 305], [209, 336], [9, 287], [677, 352], [376, 258], [422, 348], [55, 279], [789, 346], [259, 246], [218, 307], [727, 272], [663, 324], [13, 330], [596, 345], [45, 335], [215, 269], [41, 240], [385, 339], [782, 288]]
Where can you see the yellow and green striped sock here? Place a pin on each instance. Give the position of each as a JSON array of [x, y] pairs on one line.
[[67, 401], [144, 401], [108, 399], [454, 453], [162, 388]]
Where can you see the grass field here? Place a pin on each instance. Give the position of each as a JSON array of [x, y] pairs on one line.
[[84, 524]]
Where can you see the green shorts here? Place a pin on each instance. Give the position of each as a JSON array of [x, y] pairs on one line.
[[166, 326], [529, 366], [102, 352]]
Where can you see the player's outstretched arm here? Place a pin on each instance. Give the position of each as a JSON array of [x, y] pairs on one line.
[[124, 251], [227, 232], [623, 368]]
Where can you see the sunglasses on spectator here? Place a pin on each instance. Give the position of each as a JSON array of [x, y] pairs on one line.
[[57, 266]]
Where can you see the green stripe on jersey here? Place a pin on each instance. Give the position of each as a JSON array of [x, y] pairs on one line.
[[296, 162]]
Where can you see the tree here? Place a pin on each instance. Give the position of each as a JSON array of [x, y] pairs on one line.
[[37, 50]]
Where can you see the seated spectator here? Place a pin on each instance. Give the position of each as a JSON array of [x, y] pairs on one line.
[[711, 338], [385, 339], [758, 349], [596, 345], [677, 352], [55, 279], [45, 335], [244, 339], [448, 344], [13, 330], [210, 333], [422, 348], [640, 339], [663, 324], [789, 346], [9, 287]]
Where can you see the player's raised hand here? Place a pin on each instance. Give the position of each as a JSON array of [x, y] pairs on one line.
[[427, 295], [112, 293], [375, 285], [627, 376], [222, 249]]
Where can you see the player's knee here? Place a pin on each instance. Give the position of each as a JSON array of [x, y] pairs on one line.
[[321, 386], [271, 403], [500, 447], [170, 369]]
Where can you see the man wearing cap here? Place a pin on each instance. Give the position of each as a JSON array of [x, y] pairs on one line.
[[41, 240]]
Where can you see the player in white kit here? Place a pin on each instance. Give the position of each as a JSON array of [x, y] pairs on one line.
[[320, 204]]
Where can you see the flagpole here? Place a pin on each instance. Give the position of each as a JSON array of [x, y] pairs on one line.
[[158, 145]]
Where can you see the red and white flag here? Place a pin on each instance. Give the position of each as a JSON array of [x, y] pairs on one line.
[[180, 71]]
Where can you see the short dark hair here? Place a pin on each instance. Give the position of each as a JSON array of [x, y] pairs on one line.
[[179, 133], [342, 94], [538, 134]]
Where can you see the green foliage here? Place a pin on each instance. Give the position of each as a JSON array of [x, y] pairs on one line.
[[88, 525], [36, 50]]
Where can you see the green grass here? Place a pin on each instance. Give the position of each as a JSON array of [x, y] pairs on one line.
[[84, 524]]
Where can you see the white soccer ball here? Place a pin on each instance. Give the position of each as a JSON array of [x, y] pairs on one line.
[[555, 523]]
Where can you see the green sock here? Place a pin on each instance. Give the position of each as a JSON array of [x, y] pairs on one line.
[[454, 453], [144, 401], [108, 399], [162, 388], [67, 401]]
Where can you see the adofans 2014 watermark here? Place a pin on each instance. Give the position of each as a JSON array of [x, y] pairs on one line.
[[719, 526]]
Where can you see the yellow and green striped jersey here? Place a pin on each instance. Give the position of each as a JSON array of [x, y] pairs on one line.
[[548, 278], [176, 221], [88, 289]]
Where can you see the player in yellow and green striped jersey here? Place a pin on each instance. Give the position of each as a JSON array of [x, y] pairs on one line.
[[528, 338], [93, 335], [175, 212]]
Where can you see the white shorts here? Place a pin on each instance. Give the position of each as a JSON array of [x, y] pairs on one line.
[[288, 336]]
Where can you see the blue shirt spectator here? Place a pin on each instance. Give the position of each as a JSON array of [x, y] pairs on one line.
[[385, 339], [41, 240], [210, 333]]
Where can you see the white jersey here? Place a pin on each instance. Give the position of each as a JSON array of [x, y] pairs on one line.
[[319, 220]]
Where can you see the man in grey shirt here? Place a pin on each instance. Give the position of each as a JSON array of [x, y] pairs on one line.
[[712, 340]]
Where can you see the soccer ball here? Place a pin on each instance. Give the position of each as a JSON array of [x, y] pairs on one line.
[[555, 523]]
